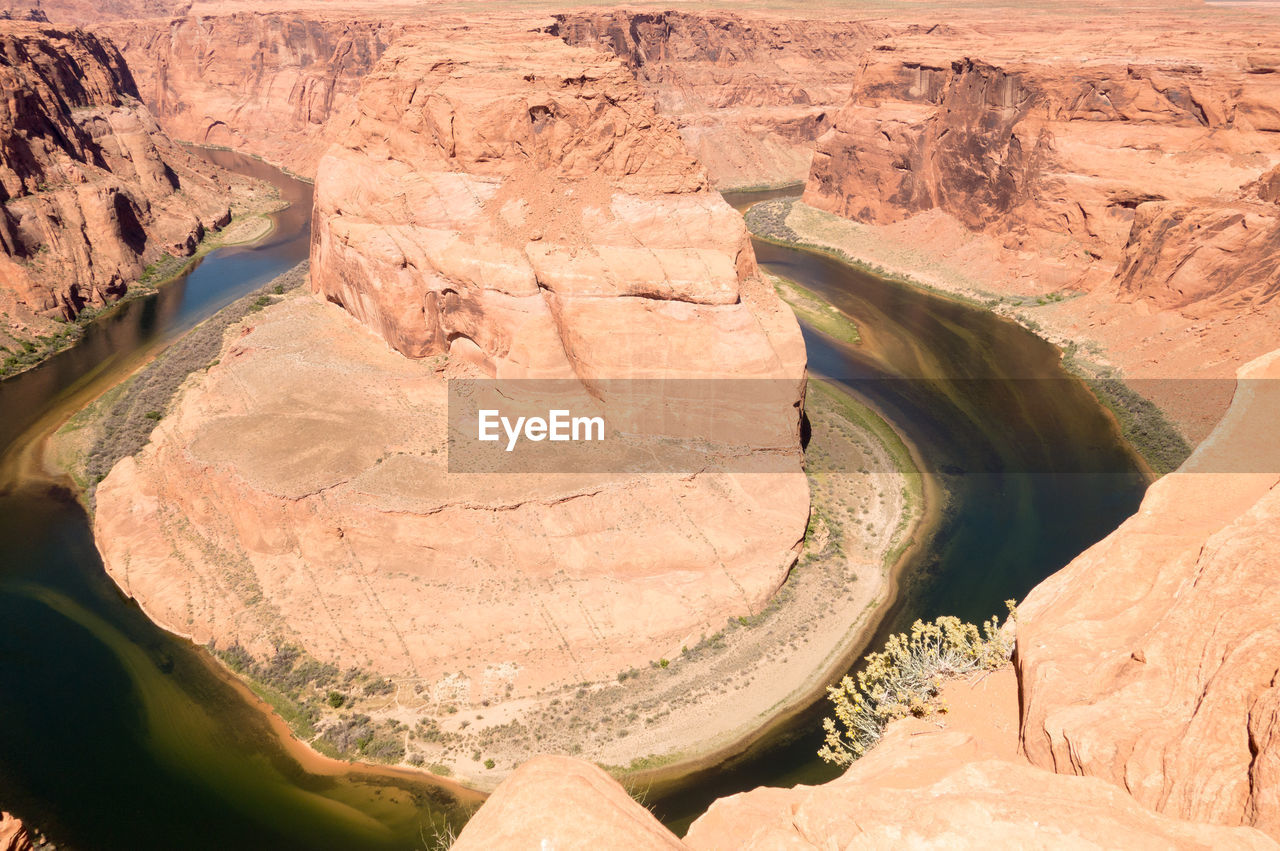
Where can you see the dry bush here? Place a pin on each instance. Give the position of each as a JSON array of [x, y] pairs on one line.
[[905, 678]]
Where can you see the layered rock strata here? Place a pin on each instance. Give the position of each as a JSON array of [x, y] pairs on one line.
[[1057, 164], [265, 84], [509, 207], [1123, 206], [750, 93], [91, 190]]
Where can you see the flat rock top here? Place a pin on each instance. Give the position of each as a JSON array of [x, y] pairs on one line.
[[315, 401]]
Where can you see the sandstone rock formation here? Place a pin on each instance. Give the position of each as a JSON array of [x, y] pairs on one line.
[[1153, 659], [563, 803], [750, 93], [960, 786], [1148, 665], [546, 224], [265, 84], [13, 834], [1124, 205], [92, 190], [1051, 162], [939, 791], [506, 206]]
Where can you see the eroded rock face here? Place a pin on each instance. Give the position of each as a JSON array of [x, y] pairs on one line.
[[13, 834], [563, 803], [92, 190], [262, 83], [1204, 260], [1054, 162], [938, 790], [506, 206], [945, 782], [750, 93], [1153, 659], [521, 205]]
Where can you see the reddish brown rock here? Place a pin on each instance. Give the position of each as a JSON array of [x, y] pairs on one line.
[[750, 93], [13, 834], [1204, 260], [500, 205], [566, 804], [937, 789], [1151, 660], [1023, 149], [92, 190], [952, 781], [521, 205], [193, 74]]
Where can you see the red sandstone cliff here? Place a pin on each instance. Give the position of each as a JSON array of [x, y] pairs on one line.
[[1045, 159], [750, 93], [92, 190], [265, 84], [1153, 659]]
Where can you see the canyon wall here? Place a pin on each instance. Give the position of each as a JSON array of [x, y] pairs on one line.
[[750, 93], [1153, 659], [501, 205], [92, 190], [264, 84], [1059, 163], [1121, 205]]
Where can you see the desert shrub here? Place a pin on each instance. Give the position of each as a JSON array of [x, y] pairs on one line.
[[904, 679]]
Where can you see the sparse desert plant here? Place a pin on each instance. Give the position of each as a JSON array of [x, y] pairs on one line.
[[905, 678]]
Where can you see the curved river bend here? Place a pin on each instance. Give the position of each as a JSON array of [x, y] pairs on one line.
[[114, 734]]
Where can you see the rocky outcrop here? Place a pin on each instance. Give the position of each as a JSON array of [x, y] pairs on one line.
[[1121, 206], [635, 269], [1206, 259], [92, 190], [750, 93], [1022, 150], [529, 809], [13, 834], [939, 791], [507, 206], [929, 783], [262, 83], [1144, 711], [1151, 660]]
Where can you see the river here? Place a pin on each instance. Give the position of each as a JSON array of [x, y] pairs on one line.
[[1034, 470], [114, 734]]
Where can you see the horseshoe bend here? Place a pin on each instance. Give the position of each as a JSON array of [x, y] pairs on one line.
[[523, 426]]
